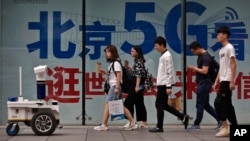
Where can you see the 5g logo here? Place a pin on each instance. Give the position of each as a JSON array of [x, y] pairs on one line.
[[141, 18], [171, 26], [132, 24]]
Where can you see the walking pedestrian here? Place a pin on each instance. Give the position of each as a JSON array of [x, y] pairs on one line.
[[135, 97], [226, 82], [204, 84], [115, 80], [165, 82]]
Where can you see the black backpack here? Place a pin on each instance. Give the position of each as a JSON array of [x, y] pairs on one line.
[[213, 69], [126, 78]]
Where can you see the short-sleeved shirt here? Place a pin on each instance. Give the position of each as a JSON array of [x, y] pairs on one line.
[[203, 60], [112, 76], [226, 53], [138, 69]]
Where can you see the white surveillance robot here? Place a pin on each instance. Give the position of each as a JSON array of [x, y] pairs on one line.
[[42, 117]]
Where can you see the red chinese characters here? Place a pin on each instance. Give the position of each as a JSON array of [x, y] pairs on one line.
[[64, 85], [61, 87], [243, 82], [94, 83]]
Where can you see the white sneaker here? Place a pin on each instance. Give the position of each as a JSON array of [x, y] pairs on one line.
[[126, 125], [143, 126], [132, 127], [101, 128], [224, 132]]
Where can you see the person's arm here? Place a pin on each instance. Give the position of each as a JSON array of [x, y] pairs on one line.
[[216, 82], [205, 65], [118, 72], [233, 68], [137, 86], [103, 71], [118, 79], [203, 70], [233, 72], [138, 74], [169, 71]]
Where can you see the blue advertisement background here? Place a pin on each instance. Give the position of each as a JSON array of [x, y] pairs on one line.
[[122, 23]]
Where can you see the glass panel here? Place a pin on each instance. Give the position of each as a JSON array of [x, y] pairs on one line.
[[43, 32]]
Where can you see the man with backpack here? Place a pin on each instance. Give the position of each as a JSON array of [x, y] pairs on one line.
[[204, 80]]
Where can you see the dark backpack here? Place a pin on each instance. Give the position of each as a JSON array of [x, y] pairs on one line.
[[213, 69], [126, 78]]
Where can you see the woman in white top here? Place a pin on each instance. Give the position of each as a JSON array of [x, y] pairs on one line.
[[115, 80]]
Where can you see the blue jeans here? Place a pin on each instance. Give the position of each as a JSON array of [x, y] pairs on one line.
[[202, 101], [111, 94]]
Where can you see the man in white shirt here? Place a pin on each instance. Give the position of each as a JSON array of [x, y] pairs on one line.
[[165, 81], [225, 82]]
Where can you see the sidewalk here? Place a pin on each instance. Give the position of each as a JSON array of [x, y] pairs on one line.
[[115, 133]]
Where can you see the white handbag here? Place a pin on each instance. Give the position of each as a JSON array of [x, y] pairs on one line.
[[116, 110]]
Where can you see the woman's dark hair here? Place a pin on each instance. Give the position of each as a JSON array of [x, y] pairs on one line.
[[140, 54], [114, 53]]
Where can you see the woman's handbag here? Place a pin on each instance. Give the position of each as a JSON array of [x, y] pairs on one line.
[[106, 86], [116, 110], [106, 83]]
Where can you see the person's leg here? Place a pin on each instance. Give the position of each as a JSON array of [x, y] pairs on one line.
[[129, 116], [105, 114], [159, 102], [161, 99], [220, 108], [172, 110], [220, 102], [130, 102], [203, 89], [141, 112], [110, 96], [133, 125], [230, 111], [213, 113], [211, 110]]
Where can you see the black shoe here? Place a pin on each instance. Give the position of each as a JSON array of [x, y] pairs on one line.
[[155, 130], [185, 121]]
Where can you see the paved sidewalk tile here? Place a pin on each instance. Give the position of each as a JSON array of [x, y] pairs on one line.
[[115, 133]]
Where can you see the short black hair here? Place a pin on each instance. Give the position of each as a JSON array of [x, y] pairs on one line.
[[195, 45], [160, 40], [224, 30]]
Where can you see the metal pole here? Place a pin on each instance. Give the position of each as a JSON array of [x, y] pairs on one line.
[[183, 38], [83, 62], [20, 82]]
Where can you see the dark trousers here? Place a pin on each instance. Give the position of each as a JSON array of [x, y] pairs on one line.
[[202, 101], [223, 103], [137, 100], [161, 105]]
